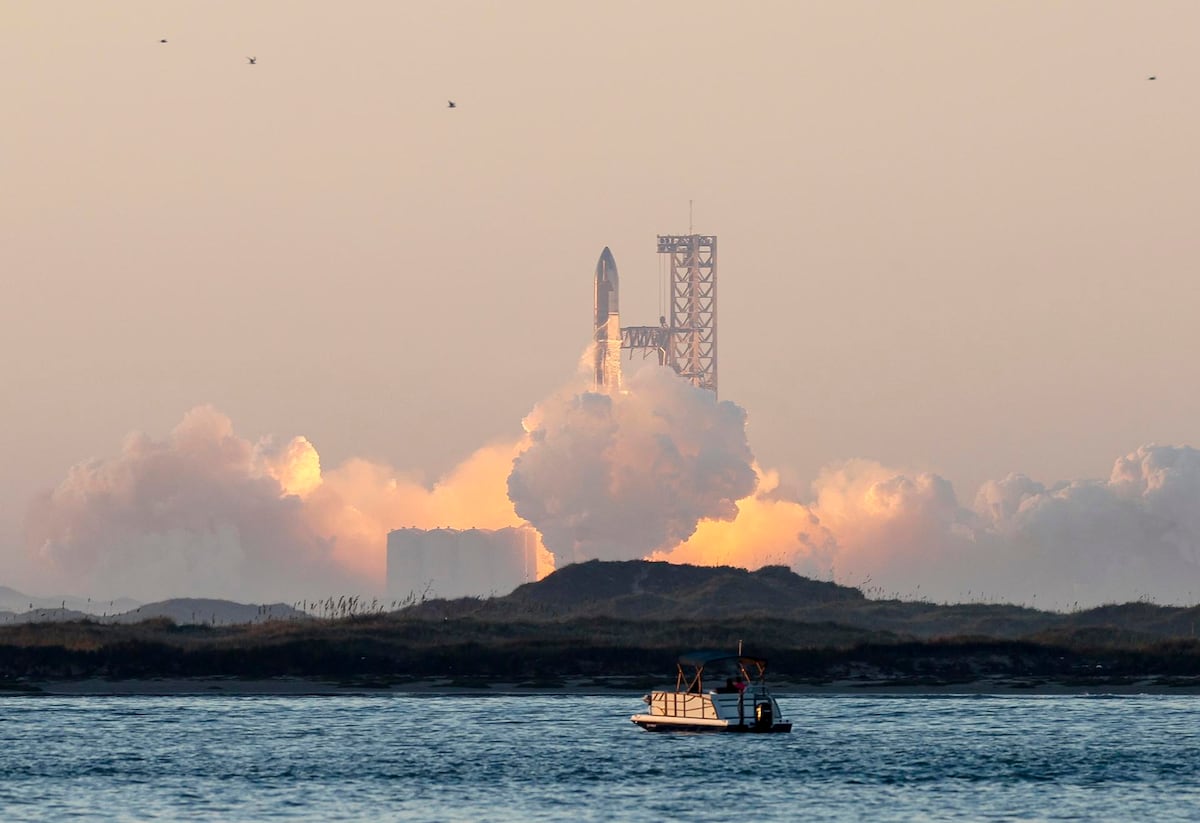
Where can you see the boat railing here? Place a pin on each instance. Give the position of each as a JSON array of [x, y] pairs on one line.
[[682, 704], [740, 708]]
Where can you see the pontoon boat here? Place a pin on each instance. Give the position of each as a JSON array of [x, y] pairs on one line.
[[739, 703]]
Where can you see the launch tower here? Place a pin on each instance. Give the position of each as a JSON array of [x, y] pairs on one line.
[[687, 339]]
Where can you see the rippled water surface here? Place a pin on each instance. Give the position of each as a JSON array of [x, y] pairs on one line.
[[579, 758]]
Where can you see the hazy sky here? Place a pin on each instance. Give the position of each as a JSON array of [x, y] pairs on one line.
[[954, 236]]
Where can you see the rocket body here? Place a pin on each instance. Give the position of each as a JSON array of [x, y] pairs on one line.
[[607, 341]]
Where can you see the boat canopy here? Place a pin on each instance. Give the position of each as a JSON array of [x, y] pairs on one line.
[[700, 659]]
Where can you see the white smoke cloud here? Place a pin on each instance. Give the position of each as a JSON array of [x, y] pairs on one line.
[[619, 476], [205, 512], [662, 470], [1134, 535], [197, 513], [906, 533], [1082, 543], [865, 524]]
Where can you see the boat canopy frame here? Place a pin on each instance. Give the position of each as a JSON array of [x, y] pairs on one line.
[[752, 669]]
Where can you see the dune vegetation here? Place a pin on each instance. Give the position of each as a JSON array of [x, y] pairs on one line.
[[626, 623]]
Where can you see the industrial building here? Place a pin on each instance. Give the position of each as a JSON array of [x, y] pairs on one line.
[[459, 563]]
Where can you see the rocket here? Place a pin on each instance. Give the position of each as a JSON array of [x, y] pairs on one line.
[[607, 340]]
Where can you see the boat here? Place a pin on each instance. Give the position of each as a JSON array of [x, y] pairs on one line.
[[739, 703]]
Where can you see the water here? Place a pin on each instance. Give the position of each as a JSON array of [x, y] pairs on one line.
[[573, 757]]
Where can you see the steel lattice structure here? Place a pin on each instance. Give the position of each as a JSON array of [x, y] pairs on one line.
[[687, 340], [693, 264]]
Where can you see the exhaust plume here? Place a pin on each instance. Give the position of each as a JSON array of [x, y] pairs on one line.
[[618, 476]]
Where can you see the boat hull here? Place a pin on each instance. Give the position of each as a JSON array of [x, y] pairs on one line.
[[659, 723], [713, 711]]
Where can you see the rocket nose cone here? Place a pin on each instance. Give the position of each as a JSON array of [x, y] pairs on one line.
[[606, 267], [607, 287], [606, 273]]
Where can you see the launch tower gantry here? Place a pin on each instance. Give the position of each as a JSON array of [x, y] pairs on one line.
[[687, 339]]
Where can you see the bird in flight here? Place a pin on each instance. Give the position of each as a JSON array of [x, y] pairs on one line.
[[253, 60], [451, 104], [162, 41], [1152, 77]]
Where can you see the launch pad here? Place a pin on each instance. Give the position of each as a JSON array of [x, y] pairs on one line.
[[686, 338], [478, 562]]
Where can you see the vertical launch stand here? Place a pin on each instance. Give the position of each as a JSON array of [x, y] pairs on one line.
[[692, 350], [687, 339]]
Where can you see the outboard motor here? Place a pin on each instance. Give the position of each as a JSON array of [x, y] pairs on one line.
[[764, 715]]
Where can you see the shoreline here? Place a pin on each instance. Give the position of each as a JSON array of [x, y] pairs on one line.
[[576, 687]]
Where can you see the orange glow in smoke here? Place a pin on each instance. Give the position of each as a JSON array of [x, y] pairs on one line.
[[766, 531], [356, 504]]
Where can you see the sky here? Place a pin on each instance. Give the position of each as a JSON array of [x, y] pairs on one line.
[[956, 239]]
